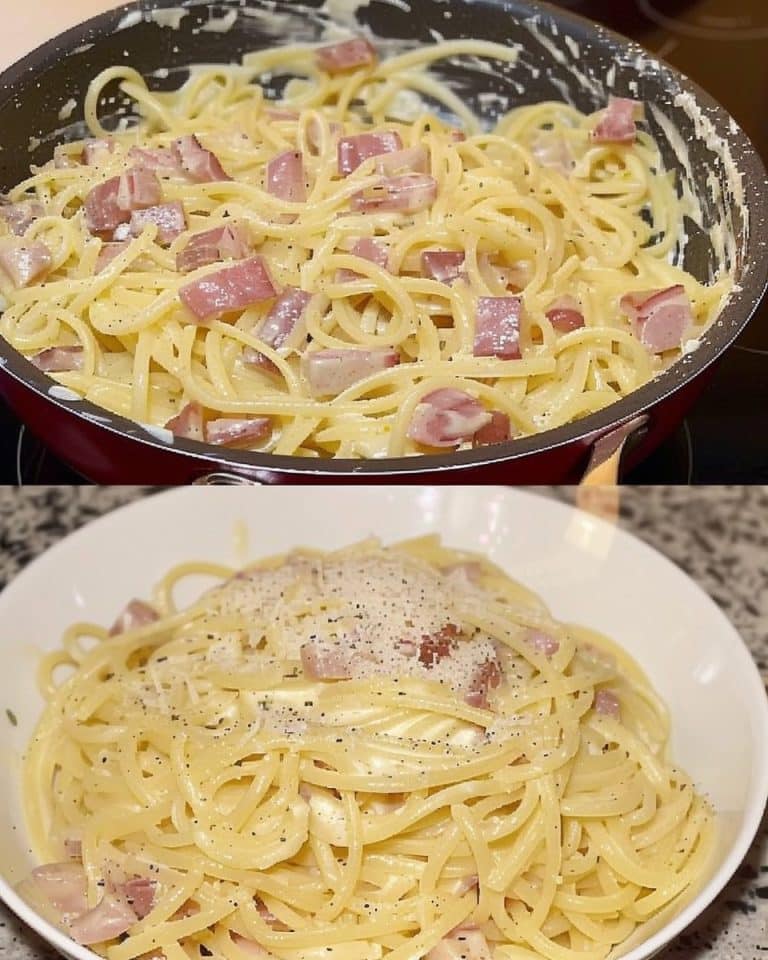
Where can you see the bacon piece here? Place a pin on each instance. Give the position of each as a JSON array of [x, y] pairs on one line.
[[73, 847], [96, 151], [139, 892], [408, 193], [63, 885], [497, 327], [284, 325], [154, 158], [285, 177], [111, 203], [464, 943], [322, 661], [659, 317], [258, 361], [347, 55], [565, 314], [617, 124], [329, 372], [352, 151], [412, 160], [20, 216], [25, 263], [442, 265], [497, 430], [230, 432], [607, 703], [488, 676], [59, 359], [111, 917], [229, 242], [542, 642], [188, 423], [170, 219], [227, 290], [135, 615], [199, 164], [435, 647], [367, 249], [108, 253], [446, 417], [551, 150]]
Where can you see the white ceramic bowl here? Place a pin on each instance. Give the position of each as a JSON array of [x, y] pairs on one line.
[[587, 570]]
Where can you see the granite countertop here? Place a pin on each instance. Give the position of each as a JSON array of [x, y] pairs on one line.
[[718, 535]]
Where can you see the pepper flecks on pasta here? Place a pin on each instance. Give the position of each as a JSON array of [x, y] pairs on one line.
[[339, 275], [378, 753]]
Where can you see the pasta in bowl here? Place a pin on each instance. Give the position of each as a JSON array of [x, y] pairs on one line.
[[178, 777], [343, 273]]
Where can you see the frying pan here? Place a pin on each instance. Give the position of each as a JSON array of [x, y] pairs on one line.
[[562, 57]]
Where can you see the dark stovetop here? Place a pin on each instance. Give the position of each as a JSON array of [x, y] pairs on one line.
[[723, 45]]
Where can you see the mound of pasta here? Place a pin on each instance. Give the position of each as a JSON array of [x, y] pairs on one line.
[[344, 273], [373, 754]]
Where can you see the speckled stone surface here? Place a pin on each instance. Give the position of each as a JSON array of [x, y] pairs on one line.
[[718, 535]]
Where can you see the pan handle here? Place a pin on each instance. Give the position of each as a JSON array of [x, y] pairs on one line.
[[598, 493]]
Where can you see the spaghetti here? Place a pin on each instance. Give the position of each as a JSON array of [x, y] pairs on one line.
[[374, 753], [507, 276]]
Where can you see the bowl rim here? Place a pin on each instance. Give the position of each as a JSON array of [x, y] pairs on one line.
[[754, 693], [733, 319]]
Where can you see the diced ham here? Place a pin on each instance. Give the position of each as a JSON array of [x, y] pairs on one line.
[[170, 219], [408, 193], [111, 917], [552, 151], [135, 615], [111, 203], [542, 642], [347, 55], [96, 151], [25, 263], [154, 158], [188, 423], [285, 177], [250, 947], [230, 289], [352, 151], [229, 242], [59, 359], [139, 892], [659, 317], [229, 432], [446, 417], [464, 943], [412, 160], [122, 233], [20, 216], [199, 164], [73, 847], [497, 327], [607, 703], [437, 646], [367, 249], [442, 265], [63, 885], [497, 430], [565, 314], [617, 124], [314, 133], [255, 360], [108, 253], [488, 676], [284, 325], [329, 372], [323, 661]]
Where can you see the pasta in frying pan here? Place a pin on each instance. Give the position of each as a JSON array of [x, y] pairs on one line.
[[343, 273]]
